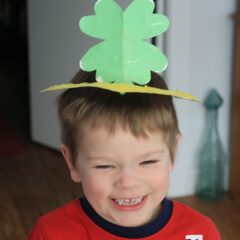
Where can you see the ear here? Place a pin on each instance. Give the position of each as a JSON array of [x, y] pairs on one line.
[[178, 138], [172, 165], [69, 160]]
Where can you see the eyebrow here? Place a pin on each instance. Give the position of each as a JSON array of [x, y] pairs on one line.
[[151, 153], [98, 158], [144, 155]]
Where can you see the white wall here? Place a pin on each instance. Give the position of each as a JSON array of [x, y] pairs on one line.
[[199, 49], [198, 43], [55, 47]]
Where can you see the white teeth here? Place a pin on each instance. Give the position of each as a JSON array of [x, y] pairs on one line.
[[128, 201]]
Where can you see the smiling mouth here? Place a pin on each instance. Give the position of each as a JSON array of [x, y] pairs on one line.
[[128, 201]]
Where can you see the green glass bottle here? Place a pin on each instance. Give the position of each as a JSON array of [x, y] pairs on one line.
[[211, 159]]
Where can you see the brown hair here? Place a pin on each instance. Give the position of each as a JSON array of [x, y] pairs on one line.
[[92, 107]]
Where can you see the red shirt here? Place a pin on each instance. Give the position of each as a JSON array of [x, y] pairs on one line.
[[70, 222]]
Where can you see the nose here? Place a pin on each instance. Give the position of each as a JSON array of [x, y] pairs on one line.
[[127, 178]]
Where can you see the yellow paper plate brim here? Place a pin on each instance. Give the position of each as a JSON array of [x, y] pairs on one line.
[[124, 88]]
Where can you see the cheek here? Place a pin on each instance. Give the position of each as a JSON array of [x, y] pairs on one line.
[[160, 179], [93, 185]]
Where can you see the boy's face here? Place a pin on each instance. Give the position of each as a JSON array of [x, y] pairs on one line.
[[123, 177]]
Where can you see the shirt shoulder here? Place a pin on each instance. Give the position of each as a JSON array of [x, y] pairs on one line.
[[61, 223], [193, 222], [185, 212]]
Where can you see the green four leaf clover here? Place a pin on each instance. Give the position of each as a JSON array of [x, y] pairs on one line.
[[124, 56]]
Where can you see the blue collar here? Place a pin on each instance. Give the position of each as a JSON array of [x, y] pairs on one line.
[[130, 232]]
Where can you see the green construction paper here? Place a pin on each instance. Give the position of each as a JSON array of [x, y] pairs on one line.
[[124, 56]]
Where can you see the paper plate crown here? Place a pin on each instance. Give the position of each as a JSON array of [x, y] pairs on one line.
[[124, 58]]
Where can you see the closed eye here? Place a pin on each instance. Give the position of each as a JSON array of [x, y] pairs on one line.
[[104, 167], [149, 162]]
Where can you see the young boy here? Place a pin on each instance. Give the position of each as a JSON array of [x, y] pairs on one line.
[[121, 149]]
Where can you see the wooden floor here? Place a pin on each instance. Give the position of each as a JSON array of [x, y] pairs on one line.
[[38, 181], [31, 185]]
